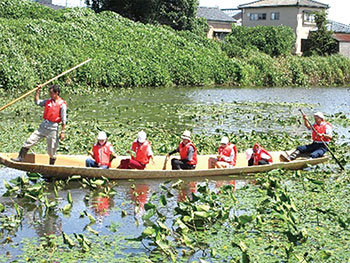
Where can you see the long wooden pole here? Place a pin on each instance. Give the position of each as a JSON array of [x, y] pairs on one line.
[[325, 144], [44, 84]]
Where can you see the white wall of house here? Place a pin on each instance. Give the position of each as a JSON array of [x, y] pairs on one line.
[[344, 49], [291, 16], [69, 3]]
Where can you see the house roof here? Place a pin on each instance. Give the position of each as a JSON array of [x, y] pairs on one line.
[[341, 37], [213, 14], [233, 12], [274, 3], [337, 27]]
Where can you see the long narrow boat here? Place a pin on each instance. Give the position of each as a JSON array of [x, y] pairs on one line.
[[68, 165]]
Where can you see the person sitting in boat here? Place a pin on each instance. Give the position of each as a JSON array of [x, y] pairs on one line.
[[322, 133], [143, 154], [55, 112], [188, 154], [258, 156], [227, 155], [102, 153]]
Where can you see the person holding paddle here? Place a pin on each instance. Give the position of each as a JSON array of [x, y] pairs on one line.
[[55, 112], [188, 154], [321, 136]]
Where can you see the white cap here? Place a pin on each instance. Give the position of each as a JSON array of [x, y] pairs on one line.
[[319, 114], [102, 136], [248, 154], [186, 135], [141, 137], [224, 140]]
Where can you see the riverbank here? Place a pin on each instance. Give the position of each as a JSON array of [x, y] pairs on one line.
[[37, 43]]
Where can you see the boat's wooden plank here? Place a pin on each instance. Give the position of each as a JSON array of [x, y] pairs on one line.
[[68, 165]]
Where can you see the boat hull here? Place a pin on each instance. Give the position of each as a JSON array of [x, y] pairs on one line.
[[69, 165]]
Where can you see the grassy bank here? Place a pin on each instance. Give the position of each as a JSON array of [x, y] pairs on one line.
[[37, 43]]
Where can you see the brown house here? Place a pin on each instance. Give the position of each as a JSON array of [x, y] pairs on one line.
[[220, 24]]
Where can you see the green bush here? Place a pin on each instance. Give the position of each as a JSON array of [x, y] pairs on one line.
[[37, 43], [272, 40]]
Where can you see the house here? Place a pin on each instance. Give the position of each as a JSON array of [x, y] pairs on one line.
[[220, 24], [297, 14], [235, 13], [58, 4], [342, 36]]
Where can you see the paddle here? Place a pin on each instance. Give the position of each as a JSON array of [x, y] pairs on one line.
[[44, 84], [325, 144], [165, 162]]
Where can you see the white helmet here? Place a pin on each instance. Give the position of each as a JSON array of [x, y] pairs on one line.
[[141, 137], [101, 136], [319, 114], [186, 135], [224, 140]]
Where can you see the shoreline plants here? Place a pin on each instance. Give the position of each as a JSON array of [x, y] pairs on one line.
[[37, 43]]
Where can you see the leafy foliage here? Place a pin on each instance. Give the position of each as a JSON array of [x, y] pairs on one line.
[[272, 40], [321, 42], [37, 43], [179, 15]]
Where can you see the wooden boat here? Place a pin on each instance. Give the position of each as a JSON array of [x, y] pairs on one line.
[[68, 165]]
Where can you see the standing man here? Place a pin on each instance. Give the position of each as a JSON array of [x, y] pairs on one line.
[[322, 132], [143, 154], [188, 154], [227, 155], [102, 153], [55, 112]]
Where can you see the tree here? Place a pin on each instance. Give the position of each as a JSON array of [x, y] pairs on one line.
[[178, 14], [321, 42]]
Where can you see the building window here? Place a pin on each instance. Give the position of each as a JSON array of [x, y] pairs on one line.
[[309, 17], [258, 16], [275, 16]]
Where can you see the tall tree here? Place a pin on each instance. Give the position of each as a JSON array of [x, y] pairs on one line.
[[178, 14], [322, 41]]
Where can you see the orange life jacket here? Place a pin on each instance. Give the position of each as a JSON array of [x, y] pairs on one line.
[[227, 151], [52, 110], [102, 153], [141, 151], [258, 153], [320, 129], [183, 150]]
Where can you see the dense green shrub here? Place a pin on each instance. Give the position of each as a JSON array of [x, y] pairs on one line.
[[272, 40], [37, 43]]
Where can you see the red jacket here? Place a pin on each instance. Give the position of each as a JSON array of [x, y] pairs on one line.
[[102, 154], [227, 151], [141, 151], [52, 110], [183, 150], [258, 151], [320, 129]]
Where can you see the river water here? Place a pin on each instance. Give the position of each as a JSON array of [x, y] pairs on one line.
[[149, 104]]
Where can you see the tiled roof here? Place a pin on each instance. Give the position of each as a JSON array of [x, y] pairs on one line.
[[234, 13], [338, 27], [213, 14], [273, 3], [342, 37]]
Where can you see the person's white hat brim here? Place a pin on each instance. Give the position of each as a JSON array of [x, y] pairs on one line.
[[102, 136], [141, 137], [186, 135], [319, 114], [224, 140]]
